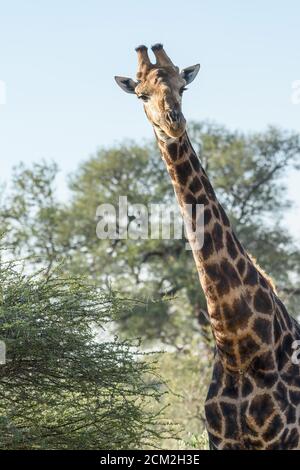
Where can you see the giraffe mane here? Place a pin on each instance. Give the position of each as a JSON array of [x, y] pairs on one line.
[[263, 273]]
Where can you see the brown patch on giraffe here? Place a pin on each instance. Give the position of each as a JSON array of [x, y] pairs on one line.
[[290, 414], [202, 199], [281, 357], [192, 202], [218, 371], [213, 271], [195, 185], [237, 315], [231, 389], [223, 287], [183, 171], [263, 282], [173, 150], [217, 276], [292, 439], [213, 416], [229, 412], [277, 445], [263, 329], [195, 162], [247, 348], [227, 352], [262, 301], [264, 380], [207, 216], [274, 427], [230, 273], [291, 380], [241, 265], [208, 248], [190, 199], [247, 387], [213, 390], [217, 235], [231, 246], [251, 277], [233, 446], [217, 378], [184, 146], [216, 212], [253, 443], [280, 395], [261, 408], [295, 397], [247, 422], [264, 362], [294, 372], [182, 149]]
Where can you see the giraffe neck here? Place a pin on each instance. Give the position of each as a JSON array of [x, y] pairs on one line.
[[230, 280]]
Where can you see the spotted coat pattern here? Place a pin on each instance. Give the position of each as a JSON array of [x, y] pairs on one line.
[[253, 400]]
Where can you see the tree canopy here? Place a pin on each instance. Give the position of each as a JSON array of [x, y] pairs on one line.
[[64, 386], [248, 172], [68, 382]]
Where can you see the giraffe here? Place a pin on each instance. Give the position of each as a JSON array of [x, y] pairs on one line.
[[253, 401]]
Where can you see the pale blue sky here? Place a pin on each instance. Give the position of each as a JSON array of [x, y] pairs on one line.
[[58, 59]]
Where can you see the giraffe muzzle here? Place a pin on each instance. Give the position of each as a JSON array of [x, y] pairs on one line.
[[175, 122], [173, 117]]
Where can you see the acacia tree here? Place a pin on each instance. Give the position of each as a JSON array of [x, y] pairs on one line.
[[248, 173], [67, 383]]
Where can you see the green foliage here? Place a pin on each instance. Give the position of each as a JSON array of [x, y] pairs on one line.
[[66, 388], [68, 383], [248, 173]]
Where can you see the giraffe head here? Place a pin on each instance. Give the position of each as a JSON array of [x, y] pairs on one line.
[[160, 87]]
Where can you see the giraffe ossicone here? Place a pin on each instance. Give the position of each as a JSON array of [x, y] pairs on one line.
[[253, 400]]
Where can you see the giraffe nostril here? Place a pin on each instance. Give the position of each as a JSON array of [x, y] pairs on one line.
[[173, 116]]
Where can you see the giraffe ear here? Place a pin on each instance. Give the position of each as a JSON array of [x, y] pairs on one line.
[[190, 73], [127, 84]]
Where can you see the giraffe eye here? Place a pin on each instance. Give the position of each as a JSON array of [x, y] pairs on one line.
[[182, 90], [143, 97]]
